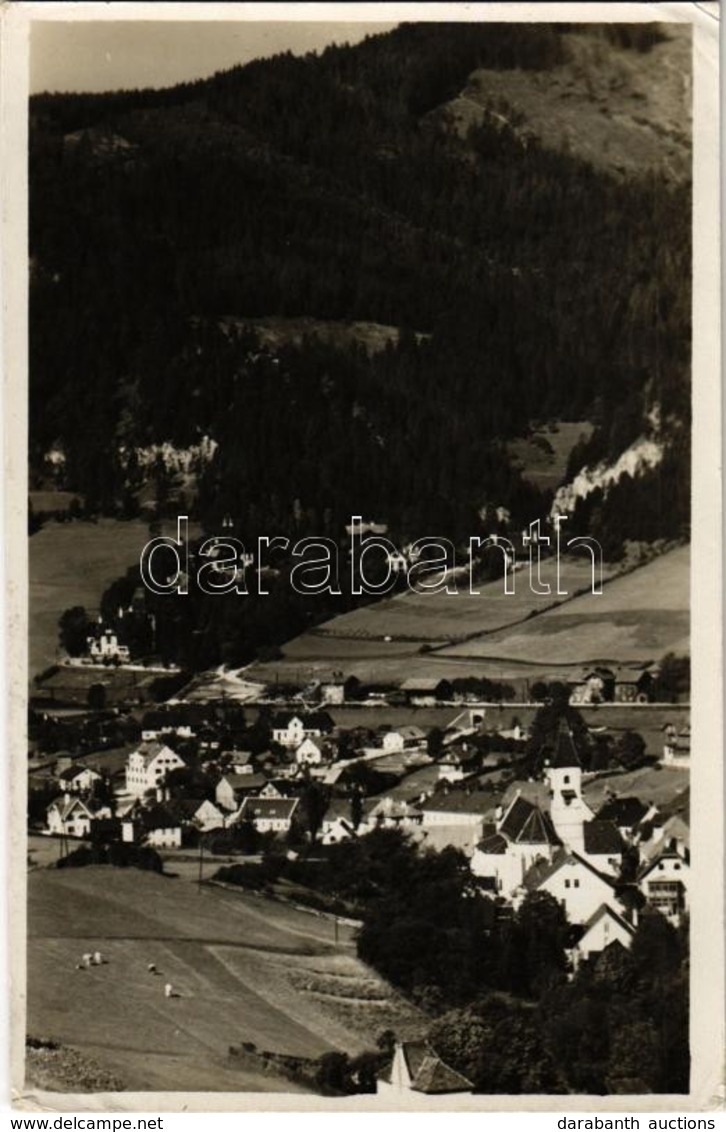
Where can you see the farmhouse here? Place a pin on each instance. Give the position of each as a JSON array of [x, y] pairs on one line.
[[289, 729], [604, 928], [592, 686], [160, 828], [391, 813], [337, 825], [664, 882], [270, 815], [405, 738], [239, 762], [233, 788], [422, 692], [417, 1068], [332, 692], [197, 813], [634, 686], [78, 779], [72, 817], [148, 766]]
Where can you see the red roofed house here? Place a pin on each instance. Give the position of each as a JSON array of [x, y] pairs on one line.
[[416, 1068]]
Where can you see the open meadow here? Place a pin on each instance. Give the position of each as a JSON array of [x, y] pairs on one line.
[[246, 969], [441, 617], [638, 618]]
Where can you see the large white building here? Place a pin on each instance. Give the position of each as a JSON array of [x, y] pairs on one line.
[[148, 766]]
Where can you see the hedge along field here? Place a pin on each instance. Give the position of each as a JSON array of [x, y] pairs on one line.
[[638, 617]]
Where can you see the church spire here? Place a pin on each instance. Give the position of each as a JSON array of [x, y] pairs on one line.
[[565, 752]]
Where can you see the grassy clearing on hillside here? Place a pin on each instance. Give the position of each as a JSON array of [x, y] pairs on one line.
[[546, 470], [72, 564], [644, 94], [637, 618], [651, 784], [439, 617], [241, 966]]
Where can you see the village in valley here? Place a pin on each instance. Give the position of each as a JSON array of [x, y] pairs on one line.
[[577, 802], [304, 815]]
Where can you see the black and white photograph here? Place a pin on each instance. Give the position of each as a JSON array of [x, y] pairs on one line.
[[366, 464]]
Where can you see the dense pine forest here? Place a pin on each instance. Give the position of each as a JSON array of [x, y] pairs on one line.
[[521, 283]]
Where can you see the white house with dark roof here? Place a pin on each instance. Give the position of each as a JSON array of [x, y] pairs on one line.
[[391, 813], [309, 753], [603, 929], [572, 881], [408, 737], [417, 1068], [78, 779], [290, 729], [69, 816], [148, 766], [337, 825], [270, 815], [677, 747], [664, 883], [455, 817], [160, 828]]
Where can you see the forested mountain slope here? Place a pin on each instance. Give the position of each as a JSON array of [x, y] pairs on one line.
[[524, 282]]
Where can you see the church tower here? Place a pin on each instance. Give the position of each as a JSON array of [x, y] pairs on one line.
[[568, 809]]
